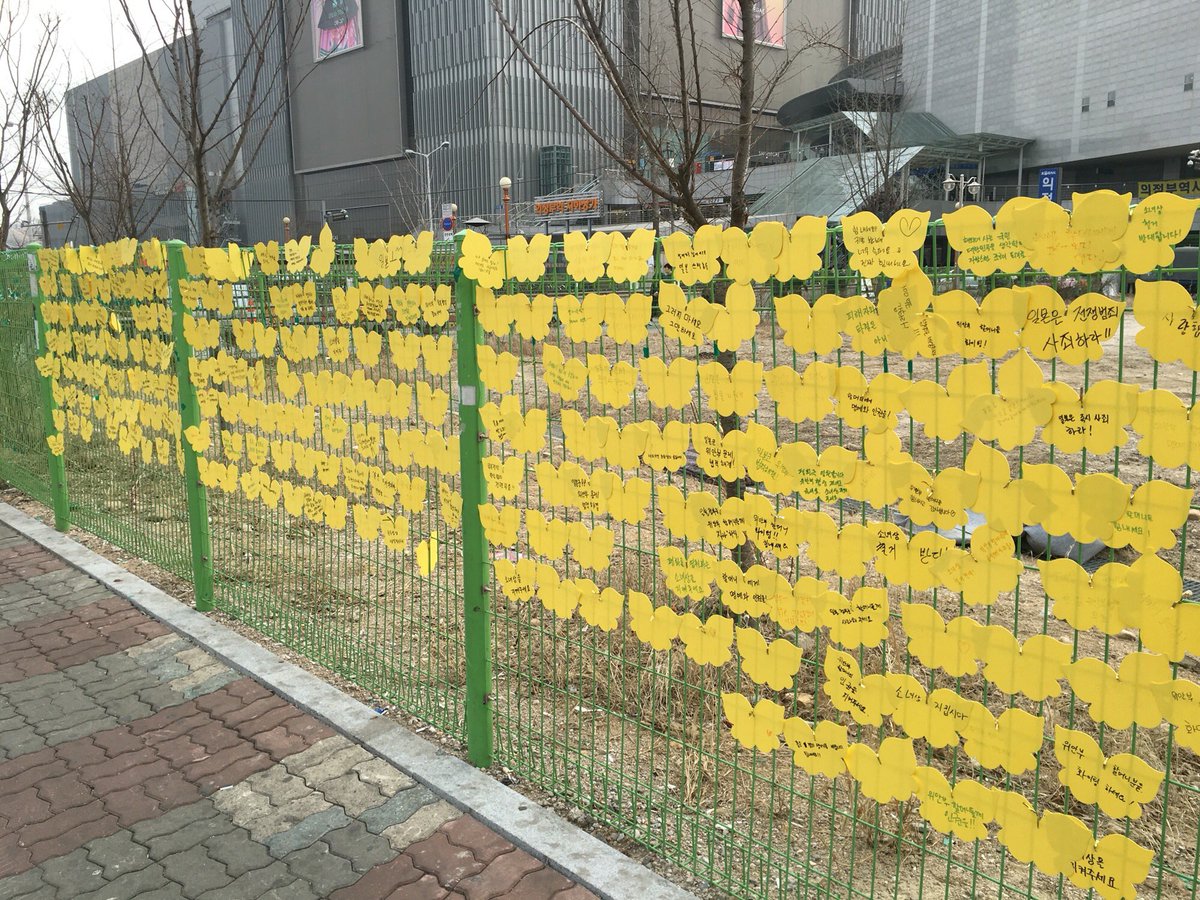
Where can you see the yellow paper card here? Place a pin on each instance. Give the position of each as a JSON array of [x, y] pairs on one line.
[[1154, 602], [806, 396], [1179, 701], [626, 321], [938, 644], [1156, 510], [859, 318], [818, 751], [1032, 668], [694, 259], [941, 410], [1010, 741], [689, 321], [732, 392], [586, 255], [669, 387], [601, 609], [911, 328], [985, 247], [1156, 224], [859, 621], [1119, 699], [963, 810], [708, 643], [656, 626], [628, 255], [866, 699], [1050, 843], [887, 775], [1118, 784], [755, 727], [1021, 403], [1084, 600], [889, 249], [774, 665], [1087, 511], [934, 717], [736, 320], [564, 377], [581, 320], [1112, 866], [809, 329]]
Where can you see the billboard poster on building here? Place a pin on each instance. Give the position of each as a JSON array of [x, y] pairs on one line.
[[337, 27], [770, 20]]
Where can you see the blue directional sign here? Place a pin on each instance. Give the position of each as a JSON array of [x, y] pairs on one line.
[[1048, 182]]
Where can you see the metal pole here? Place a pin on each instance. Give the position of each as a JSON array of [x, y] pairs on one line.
[[477, 611], [429, 190], [189, 415], [58, 468]]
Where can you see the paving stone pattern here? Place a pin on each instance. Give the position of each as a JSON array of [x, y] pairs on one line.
[[134, 764]]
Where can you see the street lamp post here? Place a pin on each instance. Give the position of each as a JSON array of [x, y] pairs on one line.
[[960, 184], [505, 196], [428, 178]]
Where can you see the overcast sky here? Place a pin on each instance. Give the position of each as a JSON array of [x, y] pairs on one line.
[[93, 31]]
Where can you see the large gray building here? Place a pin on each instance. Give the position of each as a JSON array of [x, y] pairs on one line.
[[1104, 90], [369, 80]]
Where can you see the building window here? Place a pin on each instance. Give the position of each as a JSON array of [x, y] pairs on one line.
[[1112, 98], [1086, 104], [1189, 81]]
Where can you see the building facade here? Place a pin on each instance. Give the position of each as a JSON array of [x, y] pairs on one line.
[[1104, 89]]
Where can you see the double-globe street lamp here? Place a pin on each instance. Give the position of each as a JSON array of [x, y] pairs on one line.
[[428, 177]]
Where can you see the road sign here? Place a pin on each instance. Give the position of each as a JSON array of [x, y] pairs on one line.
[[1048, 182], [447, 224]]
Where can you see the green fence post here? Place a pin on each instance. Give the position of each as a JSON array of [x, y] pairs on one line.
[[58, 468], [189, 415], [477, 613]]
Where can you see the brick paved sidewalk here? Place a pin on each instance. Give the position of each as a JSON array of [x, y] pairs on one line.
[[135, 764]]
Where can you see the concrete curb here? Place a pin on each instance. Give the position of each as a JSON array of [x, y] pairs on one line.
[[525, 823]]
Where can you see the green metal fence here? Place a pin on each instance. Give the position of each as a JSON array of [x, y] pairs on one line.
[[506, 618], [22, 436]]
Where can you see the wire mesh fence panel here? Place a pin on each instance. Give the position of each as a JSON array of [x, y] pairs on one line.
[[330, 451], [777, 537], [109, 338], [23, 452]]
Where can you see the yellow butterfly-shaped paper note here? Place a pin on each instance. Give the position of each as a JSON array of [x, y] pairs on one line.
[[757, 726], [1032, 668], [1021, 403], [694, 259], [708, 643], [806, 396], [809, 329], [878, 248], [962, 810], [818, 751], [865, 698], [887, 775], [774, 664], [1009, 741], [1118, 784], [1121, 698], [656, 626], [949, 646]]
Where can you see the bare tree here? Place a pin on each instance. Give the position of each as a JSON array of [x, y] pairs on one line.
[[870, 143], [28, 83], [115, 180], [665, 76], [220, 109]]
